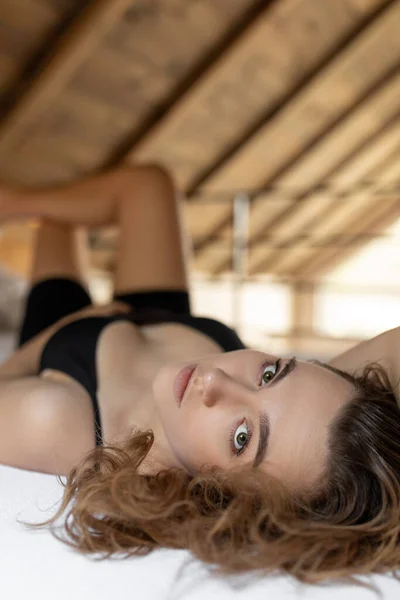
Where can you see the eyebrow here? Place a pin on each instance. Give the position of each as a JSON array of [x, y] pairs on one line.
[[264, 420]]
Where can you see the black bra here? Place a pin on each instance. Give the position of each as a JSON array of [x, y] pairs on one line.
[[72, 349]]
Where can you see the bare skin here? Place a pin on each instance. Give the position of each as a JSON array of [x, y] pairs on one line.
[[229, 394]]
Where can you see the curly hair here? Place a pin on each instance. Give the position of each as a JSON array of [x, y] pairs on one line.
[[243, 519]]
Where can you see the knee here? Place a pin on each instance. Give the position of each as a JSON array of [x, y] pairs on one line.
[[147, 174]]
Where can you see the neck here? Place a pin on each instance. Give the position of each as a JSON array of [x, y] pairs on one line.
[[142, 412]]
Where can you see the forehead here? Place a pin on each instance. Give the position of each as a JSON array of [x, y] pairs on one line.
[[301, 409], [312, 391], [323, 377]]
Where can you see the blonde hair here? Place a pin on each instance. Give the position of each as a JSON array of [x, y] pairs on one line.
[[244, 519]]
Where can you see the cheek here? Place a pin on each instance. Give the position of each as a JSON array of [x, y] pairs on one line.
[[195, 442], [163, 391], [194, 438]]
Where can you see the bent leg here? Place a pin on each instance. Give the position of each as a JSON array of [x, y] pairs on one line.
[[58, 278], [60, 251], [154, 251], [91, 202]]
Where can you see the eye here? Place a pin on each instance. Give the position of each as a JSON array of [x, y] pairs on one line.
[[239, 438], [269, 371]]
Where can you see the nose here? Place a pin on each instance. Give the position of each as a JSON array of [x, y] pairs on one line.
[[217, 384]]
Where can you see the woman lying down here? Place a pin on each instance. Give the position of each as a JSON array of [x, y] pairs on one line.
[[172, 433]]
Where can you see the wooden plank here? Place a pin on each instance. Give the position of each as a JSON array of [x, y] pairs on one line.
[[273, 205], [343, 140], [155, 49], [333, 223], [334, 153], [8, 72], [322, 104], [200, 218], [249, 82], [350, 211], [24, 24], [325, 210], [29, 15], [375, 223], [69, 53], [368, 215], [68, 140], [372, 156], [265, 252], [345, 82], [219, 249]]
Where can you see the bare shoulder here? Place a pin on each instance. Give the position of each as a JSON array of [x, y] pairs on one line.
[[45, 425]]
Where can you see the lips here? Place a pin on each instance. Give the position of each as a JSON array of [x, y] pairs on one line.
[[181, 382]]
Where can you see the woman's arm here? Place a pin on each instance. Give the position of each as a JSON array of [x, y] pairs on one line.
[[384, 348], [45, 426]]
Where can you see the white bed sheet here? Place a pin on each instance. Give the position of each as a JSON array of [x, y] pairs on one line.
[[35, 565]]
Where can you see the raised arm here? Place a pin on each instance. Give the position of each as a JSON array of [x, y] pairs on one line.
[[384, 348]]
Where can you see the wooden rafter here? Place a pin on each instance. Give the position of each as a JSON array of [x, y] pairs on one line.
[[322, 212], [299, 99], [329, 229], [248, 84], [68, 54], [321, 106], [373, 223], [350, 217], [136, 145], [322, 240], [360, 217]]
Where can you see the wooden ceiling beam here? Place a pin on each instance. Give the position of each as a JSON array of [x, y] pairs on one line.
[[318, 107], [325, 211], [264, 69], [151, 128], [336, 220], [69, 52], [322, 241], [322, 105], [367, 215], [341, 159], [374, 224]]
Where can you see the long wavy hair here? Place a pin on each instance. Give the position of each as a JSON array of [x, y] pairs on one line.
[[243, 519]]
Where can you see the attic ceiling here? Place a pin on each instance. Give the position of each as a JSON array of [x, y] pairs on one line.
[[294, 102]]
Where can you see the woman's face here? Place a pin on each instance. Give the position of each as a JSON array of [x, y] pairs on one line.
[[233, 396]]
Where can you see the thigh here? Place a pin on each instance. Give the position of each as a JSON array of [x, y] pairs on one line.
[[153, 249], [47, 302]]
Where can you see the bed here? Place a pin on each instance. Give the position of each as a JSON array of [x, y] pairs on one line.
[[37, 566]]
